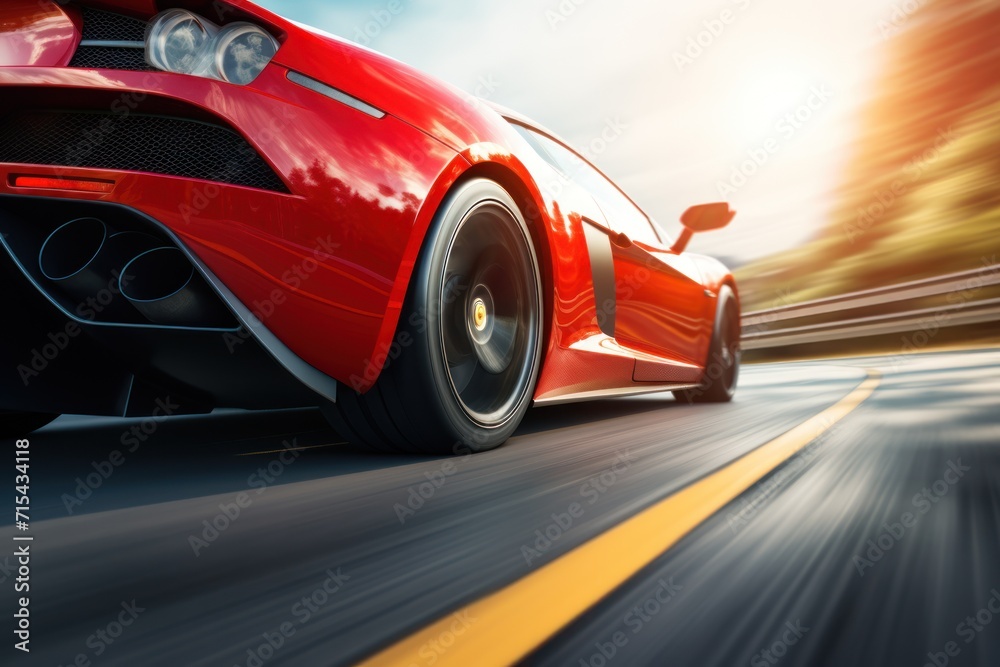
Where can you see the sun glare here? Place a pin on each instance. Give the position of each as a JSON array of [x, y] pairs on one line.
[[763, 99]]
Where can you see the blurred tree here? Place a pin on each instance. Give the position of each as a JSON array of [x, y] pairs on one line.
[[922, 193]]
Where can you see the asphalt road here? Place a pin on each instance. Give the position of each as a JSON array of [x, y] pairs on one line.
[[876, 545]]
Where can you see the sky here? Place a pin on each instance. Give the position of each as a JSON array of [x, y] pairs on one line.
[[755, 102]]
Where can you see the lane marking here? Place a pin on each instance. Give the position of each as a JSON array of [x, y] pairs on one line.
[[292, 449], [506, 626]]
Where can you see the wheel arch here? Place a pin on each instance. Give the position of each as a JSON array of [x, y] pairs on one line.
[[730, 282], [463, 169]]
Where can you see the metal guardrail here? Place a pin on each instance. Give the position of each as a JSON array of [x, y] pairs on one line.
[[759, 331]]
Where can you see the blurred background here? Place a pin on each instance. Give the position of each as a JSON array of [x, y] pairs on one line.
[[858, 140]]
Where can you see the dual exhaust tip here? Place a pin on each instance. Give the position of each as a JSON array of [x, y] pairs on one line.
[[93, 264]]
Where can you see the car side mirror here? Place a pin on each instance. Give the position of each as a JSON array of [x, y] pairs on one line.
[[703, 218]]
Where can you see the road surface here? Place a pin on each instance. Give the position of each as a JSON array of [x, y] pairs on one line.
[[259, 539]]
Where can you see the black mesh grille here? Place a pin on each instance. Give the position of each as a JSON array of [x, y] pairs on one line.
[[134, 142], [102, 57], [111, 27]]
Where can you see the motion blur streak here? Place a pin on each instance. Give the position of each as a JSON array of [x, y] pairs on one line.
[[919, 196], [828, 547], [782, 552], [562, 590]]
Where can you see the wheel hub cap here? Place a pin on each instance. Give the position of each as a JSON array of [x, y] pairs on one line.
[[480, 316], [492, 337]]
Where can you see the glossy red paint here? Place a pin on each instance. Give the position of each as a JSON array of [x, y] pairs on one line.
[[344, 169], [340, 247], [663, 308], [42, 34], [438, 108]]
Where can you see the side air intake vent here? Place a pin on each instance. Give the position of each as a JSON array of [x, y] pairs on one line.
[[153, 144], [104, 57], [111, 41]]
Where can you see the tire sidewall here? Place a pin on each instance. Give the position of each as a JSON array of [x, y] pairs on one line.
[[426, 305], [727, 300]]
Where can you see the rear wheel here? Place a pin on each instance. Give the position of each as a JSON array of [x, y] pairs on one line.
[[17, 424], [469, 338], [722, 370]]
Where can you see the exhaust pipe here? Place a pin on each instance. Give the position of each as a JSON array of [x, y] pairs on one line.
[[68, 257], [85, 259], [162, 285]]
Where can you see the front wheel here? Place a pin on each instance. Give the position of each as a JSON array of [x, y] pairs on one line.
[[723, 367], [469, 336], [18, 424]]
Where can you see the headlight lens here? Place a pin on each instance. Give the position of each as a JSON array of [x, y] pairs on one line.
[[182, 42], [242, 51], [179, 41]]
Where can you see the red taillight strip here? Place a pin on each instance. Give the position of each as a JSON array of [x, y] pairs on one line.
[[48, 183]]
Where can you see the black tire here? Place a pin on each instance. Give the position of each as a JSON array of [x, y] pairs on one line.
[[19, 424], [469, 340], [722, 370]]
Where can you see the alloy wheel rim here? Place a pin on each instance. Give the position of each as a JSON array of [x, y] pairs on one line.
[[489, 314]]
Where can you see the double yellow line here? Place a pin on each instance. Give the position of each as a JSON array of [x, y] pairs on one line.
[[508, 625]]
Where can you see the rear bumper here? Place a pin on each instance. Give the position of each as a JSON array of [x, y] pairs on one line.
[[66, 352], [336, 248]]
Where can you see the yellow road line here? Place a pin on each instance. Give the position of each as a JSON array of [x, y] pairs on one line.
[[506, 626]]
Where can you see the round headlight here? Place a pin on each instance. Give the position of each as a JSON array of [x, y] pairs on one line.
[[242, 51], [179, 41]]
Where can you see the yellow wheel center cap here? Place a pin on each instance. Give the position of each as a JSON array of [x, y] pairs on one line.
[[479, 314]]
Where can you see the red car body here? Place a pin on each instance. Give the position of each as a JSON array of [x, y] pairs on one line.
[[325, 263]]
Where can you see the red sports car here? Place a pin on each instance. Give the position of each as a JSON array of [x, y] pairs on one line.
[[205, 205]]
